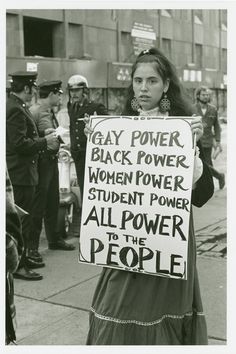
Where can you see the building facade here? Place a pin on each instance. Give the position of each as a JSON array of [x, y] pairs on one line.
[[102, 44]]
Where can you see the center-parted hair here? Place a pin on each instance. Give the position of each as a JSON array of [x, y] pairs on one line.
[[199, 90], [180, 103]]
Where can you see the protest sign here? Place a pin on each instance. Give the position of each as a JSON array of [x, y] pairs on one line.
[[137, 194]]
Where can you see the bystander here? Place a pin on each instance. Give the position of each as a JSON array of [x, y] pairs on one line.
[[23, 146], [212, 131], [46, 201]]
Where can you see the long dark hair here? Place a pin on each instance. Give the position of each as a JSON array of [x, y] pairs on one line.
[[180, 103]]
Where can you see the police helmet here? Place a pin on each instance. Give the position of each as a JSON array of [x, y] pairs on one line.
[[77, 81]]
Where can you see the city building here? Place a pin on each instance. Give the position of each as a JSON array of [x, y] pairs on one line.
[[101, 45]]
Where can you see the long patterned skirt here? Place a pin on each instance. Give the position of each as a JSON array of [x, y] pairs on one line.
[[139, 309]]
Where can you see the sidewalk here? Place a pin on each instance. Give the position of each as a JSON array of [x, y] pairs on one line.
[[212, 265], [55, 311], [211, 239]]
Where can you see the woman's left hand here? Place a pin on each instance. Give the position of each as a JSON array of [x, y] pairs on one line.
[[197, 126]]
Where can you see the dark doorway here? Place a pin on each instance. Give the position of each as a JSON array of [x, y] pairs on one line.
[[38, 37]]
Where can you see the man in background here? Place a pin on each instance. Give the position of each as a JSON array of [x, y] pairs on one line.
[[80, 106], [46, 201], [23, 147], [212, 132]]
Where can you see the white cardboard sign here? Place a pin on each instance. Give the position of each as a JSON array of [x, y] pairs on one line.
[[137, 194]]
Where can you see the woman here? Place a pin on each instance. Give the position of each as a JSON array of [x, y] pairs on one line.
[[140, 309]]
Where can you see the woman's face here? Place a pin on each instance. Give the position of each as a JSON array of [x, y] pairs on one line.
[[148, 85]]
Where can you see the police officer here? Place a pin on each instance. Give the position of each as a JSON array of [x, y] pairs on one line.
[[23, 146], [78, 107], [46, 202]]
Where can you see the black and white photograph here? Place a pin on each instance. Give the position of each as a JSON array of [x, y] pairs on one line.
[[118, 234]]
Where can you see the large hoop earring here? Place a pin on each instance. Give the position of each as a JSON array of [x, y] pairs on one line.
[[164, 104], [135, 105]]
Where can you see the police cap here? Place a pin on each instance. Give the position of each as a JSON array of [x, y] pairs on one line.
[[50, 86], [26, 77]]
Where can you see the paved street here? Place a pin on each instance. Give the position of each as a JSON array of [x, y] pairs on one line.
[[56, 309]]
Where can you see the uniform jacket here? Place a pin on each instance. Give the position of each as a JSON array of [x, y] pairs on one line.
[[14, 250], [23, 143], [44, 118], [76, 111], [14, 239], [210, 124]]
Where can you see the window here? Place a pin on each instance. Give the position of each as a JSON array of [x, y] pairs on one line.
[[75, 36], [114, 15], [166, 47], [198, 55], [224, 60], [224, 20], [166, 13], [198, 17], [38, 37], [126, 38], [126, 47], [12, 35], [186, 15]]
